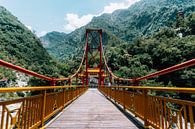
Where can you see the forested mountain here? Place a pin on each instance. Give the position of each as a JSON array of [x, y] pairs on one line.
[[20, 46], [57, 44], [141, 19], [149, 36]]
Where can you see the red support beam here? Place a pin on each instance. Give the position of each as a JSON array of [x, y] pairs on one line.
[[86, 59], [20, 69], [100, 50], [168, 70], [28, 72], [69, 82], [83, 81]]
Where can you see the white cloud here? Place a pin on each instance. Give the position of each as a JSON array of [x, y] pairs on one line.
[[114, 6], [39, 34], [42, 33], [74, 21], [29, 27]]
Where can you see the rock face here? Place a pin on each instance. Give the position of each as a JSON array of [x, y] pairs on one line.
[[21, 80]]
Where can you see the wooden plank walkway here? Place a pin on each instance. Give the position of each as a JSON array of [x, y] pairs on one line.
[[91, 111]]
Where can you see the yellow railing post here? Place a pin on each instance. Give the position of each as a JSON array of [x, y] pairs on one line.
[[124, 99], [145, 95], [64, 97], [77, 91], [191, 117], [43, 108], [2, 117], [71, 91], [115, 94]]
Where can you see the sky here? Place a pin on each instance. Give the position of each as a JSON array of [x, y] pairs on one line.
[[43, 16]]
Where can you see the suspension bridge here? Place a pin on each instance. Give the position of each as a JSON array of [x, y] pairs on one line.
[[111, 105]]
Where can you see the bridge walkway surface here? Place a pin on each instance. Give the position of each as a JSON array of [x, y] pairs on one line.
[[91, 111]]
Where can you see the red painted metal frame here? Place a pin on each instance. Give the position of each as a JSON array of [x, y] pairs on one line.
[[86, 58], [28, 72], [17, 68], [101, 80], [168, 70]]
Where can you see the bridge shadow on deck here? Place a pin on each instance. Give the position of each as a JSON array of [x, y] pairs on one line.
[[93, 111]]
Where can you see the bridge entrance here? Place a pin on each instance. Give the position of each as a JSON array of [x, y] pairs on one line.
[[91, 71]]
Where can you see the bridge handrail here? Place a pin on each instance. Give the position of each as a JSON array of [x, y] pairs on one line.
[[33, 111], [37, 88], [160, 112], [158, 88]]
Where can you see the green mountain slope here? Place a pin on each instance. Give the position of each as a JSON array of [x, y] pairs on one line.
[[54, 41], [141, 19], [20, 46]]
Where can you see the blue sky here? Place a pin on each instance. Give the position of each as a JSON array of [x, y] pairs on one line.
[[60, 15]]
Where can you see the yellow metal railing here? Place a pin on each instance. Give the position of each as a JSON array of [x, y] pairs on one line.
[[155, 111], [32, 112]]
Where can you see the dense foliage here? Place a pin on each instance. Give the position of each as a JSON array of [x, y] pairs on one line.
[[162, 50], [20, 46]]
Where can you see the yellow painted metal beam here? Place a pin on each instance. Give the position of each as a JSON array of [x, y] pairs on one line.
[[171, 89], [38, 88]]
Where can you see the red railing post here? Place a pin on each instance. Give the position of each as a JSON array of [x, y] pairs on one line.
[[110, 79], [86, 60], [69, 81], [83, 81], [135, 82], [53, 83]]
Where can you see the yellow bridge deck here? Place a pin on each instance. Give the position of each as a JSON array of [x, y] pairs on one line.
[[91, 111]]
